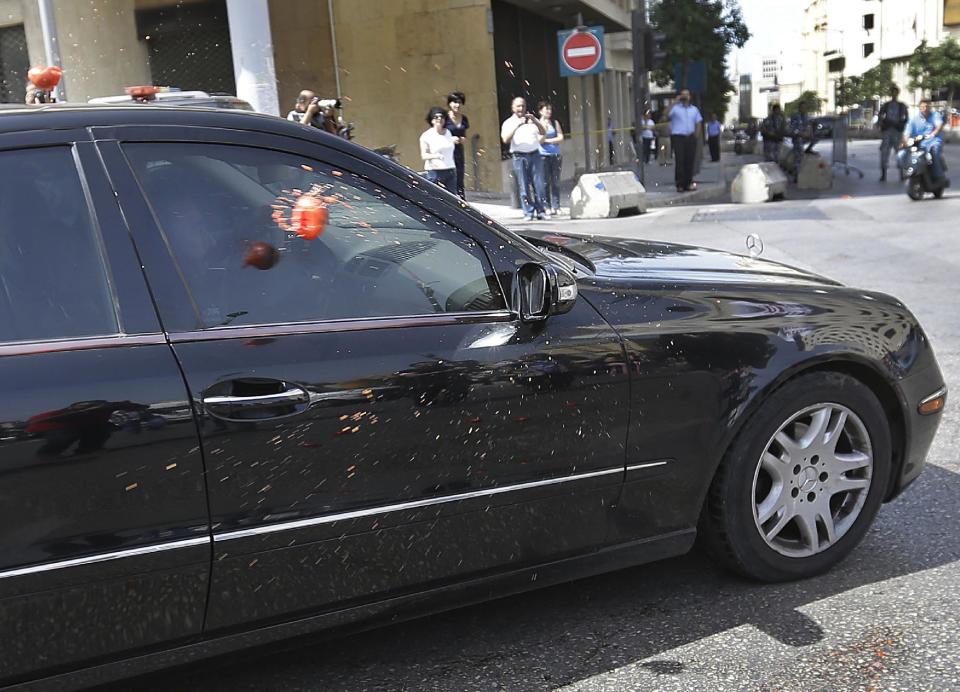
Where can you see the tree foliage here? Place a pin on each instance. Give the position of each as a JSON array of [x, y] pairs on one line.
[[700, 30], [873, 84], [936, 70], [810, 98]]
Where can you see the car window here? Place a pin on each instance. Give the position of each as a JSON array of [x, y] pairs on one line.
[[53, 283], [227, 213]]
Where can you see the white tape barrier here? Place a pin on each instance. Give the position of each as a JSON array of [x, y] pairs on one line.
[[605, 195], [758, 182]]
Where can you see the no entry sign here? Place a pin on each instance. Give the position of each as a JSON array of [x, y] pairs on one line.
[[581, 52]]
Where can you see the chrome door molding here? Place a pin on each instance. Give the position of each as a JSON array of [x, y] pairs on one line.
[[413, 504], [105, 557]]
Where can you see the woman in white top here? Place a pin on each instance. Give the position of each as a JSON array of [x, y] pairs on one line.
[[436, 150], [648, 137]]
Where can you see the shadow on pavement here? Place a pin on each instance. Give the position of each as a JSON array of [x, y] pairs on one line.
[[563, 634]]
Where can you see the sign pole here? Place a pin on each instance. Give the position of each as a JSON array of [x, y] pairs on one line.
[[583, 107], [639, 25], [581, 53], [586, 128]]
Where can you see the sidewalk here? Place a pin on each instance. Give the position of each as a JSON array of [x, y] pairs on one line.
[[713, 184]]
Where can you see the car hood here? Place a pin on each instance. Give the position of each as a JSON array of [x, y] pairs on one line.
[[625, 259]]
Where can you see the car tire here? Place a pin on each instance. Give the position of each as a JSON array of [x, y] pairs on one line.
[[784, 507]]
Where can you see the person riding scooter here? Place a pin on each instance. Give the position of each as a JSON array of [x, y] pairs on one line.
[[928, 124]]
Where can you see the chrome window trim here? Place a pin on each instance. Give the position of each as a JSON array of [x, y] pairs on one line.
[[26, 348], [105, 557], [401, 506], [344, 325]]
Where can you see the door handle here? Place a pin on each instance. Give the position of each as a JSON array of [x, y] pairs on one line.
[[290, 396], [230, 400]]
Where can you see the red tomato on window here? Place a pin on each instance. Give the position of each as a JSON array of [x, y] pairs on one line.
[[309, 218], [261, 255], [45, 78]]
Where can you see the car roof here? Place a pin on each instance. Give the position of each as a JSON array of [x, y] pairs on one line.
[[16, 118], [26, 118]]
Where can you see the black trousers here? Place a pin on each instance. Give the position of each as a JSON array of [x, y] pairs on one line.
[[460, 164], [684, 151], [714, 143]]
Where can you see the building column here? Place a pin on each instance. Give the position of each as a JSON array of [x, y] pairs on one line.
[[252, 48]]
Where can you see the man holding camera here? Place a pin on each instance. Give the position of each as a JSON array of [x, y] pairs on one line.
[[522, 131], [309, 110]]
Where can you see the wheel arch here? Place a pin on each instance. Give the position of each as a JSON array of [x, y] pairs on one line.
[[864, 372]]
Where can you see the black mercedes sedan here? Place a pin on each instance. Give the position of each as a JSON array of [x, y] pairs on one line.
[[258, 381]]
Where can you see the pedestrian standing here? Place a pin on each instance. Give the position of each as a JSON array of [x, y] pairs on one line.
[[647, 136], [685, 127], [436, 150], [714, 128], [550, 153], [458, 124], [891, 120], [773, 129], [522, 131], [610, 141], [664, 140], [801, 130]]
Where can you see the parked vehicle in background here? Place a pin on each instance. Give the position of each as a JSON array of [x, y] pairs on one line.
[[258, 381], [823, 126]]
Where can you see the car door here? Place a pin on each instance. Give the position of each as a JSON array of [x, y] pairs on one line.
[[374, 416], [104, 532]]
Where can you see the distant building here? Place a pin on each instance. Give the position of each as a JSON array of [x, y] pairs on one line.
[[840, 38]]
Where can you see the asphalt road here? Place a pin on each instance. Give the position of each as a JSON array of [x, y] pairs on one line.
[[886, 619]]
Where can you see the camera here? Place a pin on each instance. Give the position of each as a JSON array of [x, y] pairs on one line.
[[328, 103]]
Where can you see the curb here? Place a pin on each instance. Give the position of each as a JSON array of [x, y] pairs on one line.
[[706, 193]]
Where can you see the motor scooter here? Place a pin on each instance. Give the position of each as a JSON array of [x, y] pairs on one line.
[[916, 167]]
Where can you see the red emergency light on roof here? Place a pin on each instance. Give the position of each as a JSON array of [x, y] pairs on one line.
[[142, 93]]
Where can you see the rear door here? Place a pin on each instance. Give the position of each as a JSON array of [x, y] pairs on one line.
[[104, 537], [375, 418]]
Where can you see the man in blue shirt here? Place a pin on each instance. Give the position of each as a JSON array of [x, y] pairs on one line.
[[714, 128], [685, 125], [928, 123]]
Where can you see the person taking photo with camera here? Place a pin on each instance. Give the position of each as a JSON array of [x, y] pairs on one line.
[[312, 111], [522, 131]]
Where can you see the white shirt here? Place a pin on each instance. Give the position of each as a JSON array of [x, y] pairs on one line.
[[438, 143], [648, 126], [525, 140]]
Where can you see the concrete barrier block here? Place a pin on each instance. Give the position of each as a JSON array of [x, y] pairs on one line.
[[605, 195], [758, 182], [815, 173], [786, 157]]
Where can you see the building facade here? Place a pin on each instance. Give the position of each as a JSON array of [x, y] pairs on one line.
[[388, 61], [841, 38]]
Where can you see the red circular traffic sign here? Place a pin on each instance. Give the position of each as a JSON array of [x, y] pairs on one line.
[[581, 51]]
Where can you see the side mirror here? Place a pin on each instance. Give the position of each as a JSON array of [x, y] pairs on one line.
[[541, 290]]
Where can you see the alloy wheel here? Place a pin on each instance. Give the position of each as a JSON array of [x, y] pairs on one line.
[[812, 480]]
